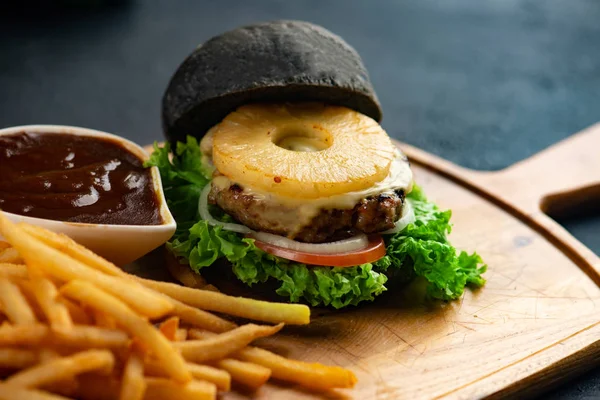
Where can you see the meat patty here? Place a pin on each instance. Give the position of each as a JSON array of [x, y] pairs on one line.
[[369, 215]]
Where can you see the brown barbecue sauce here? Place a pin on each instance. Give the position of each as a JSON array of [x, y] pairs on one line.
[[76, 179]]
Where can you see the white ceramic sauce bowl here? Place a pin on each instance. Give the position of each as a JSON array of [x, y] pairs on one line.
[[120, 244]]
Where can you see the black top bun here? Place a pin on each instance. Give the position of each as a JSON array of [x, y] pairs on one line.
[[275, 61]]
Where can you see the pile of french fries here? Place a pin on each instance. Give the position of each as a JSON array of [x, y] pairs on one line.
[[73, 325]]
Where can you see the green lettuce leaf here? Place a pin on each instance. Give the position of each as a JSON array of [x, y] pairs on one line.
[[420, 250], [425, 246], [182, 178]]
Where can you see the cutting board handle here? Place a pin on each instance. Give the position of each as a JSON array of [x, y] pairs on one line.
[[560, 180]]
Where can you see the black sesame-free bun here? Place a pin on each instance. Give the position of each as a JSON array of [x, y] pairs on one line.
[[279, 61]]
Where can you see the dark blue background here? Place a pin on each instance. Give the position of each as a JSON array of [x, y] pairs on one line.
[[481, 83]]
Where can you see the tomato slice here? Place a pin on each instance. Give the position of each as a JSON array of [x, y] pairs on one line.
[[374, 251]]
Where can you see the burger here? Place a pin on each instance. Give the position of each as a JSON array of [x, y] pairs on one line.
[[278, 172]]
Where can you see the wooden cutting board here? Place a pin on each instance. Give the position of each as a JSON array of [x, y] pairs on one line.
[[536, 321]]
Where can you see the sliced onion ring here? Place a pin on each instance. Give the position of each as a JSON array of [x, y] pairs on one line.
[[354, 243], [205, 215], [408, 217], [341, 246]]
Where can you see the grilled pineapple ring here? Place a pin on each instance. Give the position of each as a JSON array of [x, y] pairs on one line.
[[301, 150]]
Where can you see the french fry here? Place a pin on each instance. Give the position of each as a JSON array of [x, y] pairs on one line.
[[64, 267], [12, 271], [27, 291], [132, 323], [137, 297], [164, 389], [309, 375], [10, 256], [73, 249], [195, 316], [137, 345], [23, 335], [78, 315], [63, 368], [61, 242], [223, 344], [181, 335], [191, 315], [66, 301], [293, 314], [183, 273], [97, 387], [219, 377], [18, 358], [65, 387], [169, 328], [14, 304], [46, 354], [248, 374], [46, 295], [133, 385], [104, 320], [89, 337], [80, 253], [200, 318], [10, 392], [200, 334]]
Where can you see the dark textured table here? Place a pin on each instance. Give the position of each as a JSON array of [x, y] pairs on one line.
[[483, 84]]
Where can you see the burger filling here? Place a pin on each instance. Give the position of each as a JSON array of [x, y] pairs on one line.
[[327, 219], [369, 215], [413, 248]]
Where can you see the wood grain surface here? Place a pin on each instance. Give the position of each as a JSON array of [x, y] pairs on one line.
[[535, 322]]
